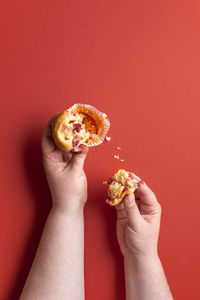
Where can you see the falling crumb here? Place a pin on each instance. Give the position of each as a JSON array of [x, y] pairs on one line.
[[108, 138], [121, 159], [118, 148], [116, 156], [104, 182]]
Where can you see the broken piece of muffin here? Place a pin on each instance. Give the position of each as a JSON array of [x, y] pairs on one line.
[[120, 185], [81, 124]]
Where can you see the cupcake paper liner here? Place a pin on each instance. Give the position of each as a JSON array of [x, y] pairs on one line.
[[100, 120]]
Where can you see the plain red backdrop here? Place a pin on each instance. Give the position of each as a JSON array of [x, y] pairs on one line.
[[138, 61]]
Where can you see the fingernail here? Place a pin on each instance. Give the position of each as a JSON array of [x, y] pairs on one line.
[[136, 177], [141, 182]]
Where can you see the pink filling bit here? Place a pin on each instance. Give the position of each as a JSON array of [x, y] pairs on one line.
[[110, 180], [75, 141], [77, 127]]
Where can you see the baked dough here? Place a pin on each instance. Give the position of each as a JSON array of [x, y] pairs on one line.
[[120, 185], [81, 124]]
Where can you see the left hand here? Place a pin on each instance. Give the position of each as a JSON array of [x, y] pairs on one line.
[[65, 175], [138, 223]]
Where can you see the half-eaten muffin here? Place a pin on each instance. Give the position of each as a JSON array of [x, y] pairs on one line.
[[120, 185], [81, 124]]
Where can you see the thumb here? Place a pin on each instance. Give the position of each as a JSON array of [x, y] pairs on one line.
[[78, 159], [132, 212]]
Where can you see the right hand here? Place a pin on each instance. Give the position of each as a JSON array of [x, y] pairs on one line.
[[138, 222]]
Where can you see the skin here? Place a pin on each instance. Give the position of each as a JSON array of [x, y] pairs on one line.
[[138, 223], [58, 267]]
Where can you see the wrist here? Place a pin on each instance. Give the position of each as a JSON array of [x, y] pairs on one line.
[[68, 212], [68, 204], [141, 259]]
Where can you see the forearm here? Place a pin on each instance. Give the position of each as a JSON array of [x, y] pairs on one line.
[[145, 279], [58, 269]]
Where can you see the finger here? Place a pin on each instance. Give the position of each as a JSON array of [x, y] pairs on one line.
[[47, 143], [108, 193], [121, 213], [67, 156], [78, 159], [132, 212], [146, 195], [143, 192], [134, 176]]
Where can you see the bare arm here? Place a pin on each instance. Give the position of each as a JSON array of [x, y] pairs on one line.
[[57, 271], [58, 268], [145, 279], [138, 223]]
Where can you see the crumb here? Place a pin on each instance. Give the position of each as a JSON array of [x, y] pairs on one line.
[[122, 159], [118, 148], [108, 138], [104, 182], [116, 156]]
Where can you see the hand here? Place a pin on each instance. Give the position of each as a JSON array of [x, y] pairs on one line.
[[65, 175], [138, 222]]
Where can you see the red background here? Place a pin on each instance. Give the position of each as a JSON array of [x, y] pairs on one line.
[[138, 61]]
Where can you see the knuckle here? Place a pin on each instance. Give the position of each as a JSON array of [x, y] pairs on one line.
[[160, 207], [153, 195], [131, 206]]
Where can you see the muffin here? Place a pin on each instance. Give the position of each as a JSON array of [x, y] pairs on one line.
[[120, 185], [81, 124]]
